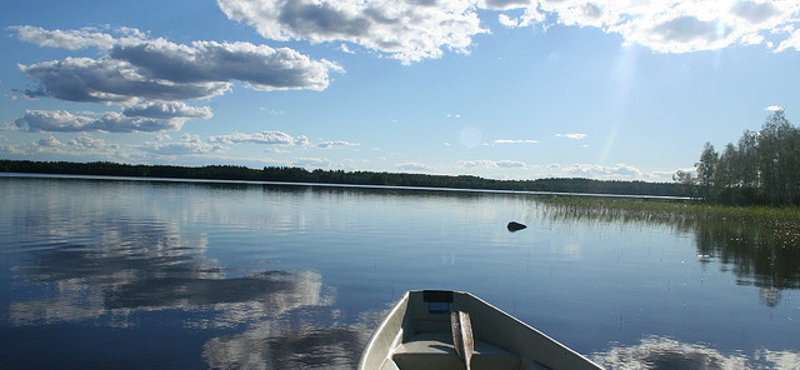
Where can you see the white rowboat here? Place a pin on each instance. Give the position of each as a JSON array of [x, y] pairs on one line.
[[444, 330]]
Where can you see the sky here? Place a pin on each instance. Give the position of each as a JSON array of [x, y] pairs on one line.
[[503, 89]]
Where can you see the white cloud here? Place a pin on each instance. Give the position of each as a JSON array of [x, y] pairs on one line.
[[575, 136], [259, 66], [511, 164], [663, 175], [415, 167], [84, 146], [792, 42], [70, 39], [515, 141], [276, 151], [672, 26], [63, 121], [50, 141], [491, 164], [415, 30], [504, 4], [11, 149], [599, 171], [335, 144], [265, 137], [409, 30], [110, 81], [187, 145], [312, 162], [87, 143], [774, 108], [166, 110], [150, 76]]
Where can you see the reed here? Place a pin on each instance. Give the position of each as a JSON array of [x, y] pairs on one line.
[[670, 210]]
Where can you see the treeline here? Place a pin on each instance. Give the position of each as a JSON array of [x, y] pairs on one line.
[[763, 168], [296, 174]]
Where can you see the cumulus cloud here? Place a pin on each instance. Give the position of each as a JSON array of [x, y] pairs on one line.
[[134, 69], [7, 148], [669, 27], [109, 81], [160, 70], [259, 66], [415, 167], [505, 4], [82, 38], [491, 164], [413, 30], [150, 79], [167, 110], [575, 136], [599, 171], [49, 141], [265, 138], [84, 146], [407, 30], [186, 145], [792, 42], [88, 144], [63, 121]]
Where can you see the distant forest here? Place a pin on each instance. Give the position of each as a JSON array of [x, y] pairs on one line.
[[296, 174], [763, 168]]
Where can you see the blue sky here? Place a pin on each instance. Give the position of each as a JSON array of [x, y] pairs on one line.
[[507, 89]]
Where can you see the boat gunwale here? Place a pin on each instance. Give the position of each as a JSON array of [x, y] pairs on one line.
[[403, 304]]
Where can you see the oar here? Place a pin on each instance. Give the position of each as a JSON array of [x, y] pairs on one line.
[[462, 336]]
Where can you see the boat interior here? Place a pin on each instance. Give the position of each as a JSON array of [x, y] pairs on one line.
[[432, 338]]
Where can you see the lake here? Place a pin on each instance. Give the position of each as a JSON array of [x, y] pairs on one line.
[[122, 274]]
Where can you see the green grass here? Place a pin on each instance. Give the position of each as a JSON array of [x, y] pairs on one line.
[[668, 211]]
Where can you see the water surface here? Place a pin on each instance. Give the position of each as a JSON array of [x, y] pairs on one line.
[[141, 274]]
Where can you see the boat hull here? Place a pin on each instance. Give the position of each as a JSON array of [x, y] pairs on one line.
[[416, 334]]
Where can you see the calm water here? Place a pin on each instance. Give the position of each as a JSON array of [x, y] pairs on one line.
[[108, 274]]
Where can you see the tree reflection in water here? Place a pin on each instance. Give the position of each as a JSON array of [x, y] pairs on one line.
[[94, 264], [763, 254]]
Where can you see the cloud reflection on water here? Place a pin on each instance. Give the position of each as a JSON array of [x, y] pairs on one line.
[[660, 353], [160, 270], [99, 264], [82, 268], [283, 344]]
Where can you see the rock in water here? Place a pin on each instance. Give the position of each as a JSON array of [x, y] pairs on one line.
[[515, 226]]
